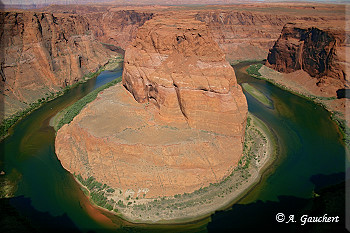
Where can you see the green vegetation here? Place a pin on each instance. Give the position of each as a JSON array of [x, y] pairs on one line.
[[235, 62], [257, 94], [10, 121], [338, 117], [75, 109], [7, 123], [98, 193], [252, 153], [253, 70], [344, 128]]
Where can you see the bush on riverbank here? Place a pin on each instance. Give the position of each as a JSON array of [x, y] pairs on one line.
[[253, 70], [75, 109], [7, 123], [344, 129], [10, 121], [98, 192], [337, 117]]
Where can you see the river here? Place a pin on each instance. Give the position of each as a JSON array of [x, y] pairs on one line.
[[311, 157]]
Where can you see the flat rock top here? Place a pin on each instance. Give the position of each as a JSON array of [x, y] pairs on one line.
[[116, 115]]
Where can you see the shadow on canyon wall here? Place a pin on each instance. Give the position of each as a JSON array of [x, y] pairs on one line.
[[343, 93], [261, 216]]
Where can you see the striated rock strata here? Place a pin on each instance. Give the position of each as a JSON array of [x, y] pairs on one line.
[[180, 69], [243, 31], [110, 25], [42, 52], [117, 27], [244, 35], [248, 31], [318, 50], [176, 124]]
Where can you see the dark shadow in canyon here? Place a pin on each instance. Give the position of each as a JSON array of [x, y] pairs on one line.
[[18, 215], [261, 216], [343, 93]]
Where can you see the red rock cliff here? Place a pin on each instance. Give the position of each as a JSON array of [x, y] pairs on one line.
[[177, 66], [179, 125], [111, 25], [43, 52], [117, 27], [247, 32], [319, 50]]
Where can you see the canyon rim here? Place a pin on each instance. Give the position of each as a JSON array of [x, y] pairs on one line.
[[177, 123]]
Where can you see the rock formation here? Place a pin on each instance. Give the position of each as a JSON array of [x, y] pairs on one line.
[[110, 25], [117, 27], [243, 31], [42, 52], [244, 35], [248, 31], [176, 126], [184, 73], [318, 50]]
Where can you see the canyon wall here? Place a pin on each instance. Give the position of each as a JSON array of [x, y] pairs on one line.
[[247, 32], [115, 26], [244, 35], [175, 125], [43, 52], [319, 50], [243, 31]]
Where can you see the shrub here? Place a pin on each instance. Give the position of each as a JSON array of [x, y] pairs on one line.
[[75, 109], [253, 70], [110, 190]]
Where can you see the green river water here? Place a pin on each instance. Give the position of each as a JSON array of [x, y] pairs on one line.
[[311, 159]]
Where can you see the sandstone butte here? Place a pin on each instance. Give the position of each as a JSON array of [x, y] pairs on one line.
[[317, 49], [55, 46], [175, 125]]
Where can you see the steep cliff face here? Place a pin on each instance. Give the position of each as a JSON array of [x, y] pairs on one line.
[[184, 73], [318, 50], [117, 27], [247, 32], [177, 126], [111, 25], [43, 52], [244, 35], [243, 31]]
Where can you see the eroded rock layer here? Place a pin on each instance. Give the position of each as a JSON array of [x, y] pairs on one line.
[[244, 35], [243, 31], [177, 126], [41, 52], [177, 66], [319, 50], [115, 26]]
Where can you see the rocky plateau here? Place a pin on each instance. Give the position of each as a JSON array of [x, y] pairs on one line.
[[175, 125]]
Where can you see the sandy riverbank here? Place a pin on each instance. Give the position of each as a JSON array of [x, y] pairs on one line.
[[302, 84], [259, 153]]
